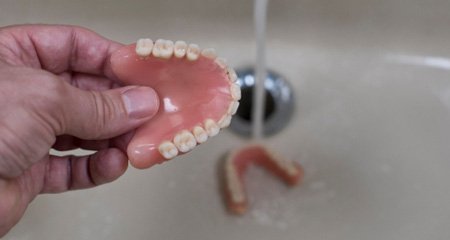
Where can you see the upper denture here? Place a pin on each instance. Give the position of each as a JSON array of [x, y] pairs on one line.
[[196, 90]]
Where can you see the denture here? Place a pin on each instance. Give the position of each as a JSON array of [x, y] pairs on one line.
[[197, 90], [236, 165]]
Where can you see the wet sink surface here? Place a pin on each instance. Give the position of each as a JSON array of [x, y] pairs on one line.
[[372, 84]]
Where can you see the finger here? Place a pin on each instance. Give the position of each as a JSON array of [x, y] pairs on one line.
[[58, 48], [12, 205], [89, 82], [71, 172], [96, 115]]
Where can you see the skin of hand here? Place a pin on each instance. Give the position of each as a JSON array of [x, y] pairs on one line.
[[57, 91]]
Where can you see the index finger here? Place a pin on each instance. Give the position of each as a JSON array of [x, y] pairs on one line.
[[60, 48]]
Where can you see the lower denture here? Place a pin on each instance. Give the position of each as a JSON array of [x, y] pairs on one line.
[[236, 165], [198, 95]]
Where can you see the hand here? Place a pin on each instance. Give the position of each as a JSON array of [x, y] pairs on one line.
[[57, 90]]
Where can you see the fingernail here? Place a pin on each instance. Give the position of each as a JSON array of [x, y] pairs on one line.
[[141, 102]]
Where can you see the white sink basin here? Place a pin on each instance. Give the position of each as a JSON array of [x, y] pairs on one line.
[[371, 127]]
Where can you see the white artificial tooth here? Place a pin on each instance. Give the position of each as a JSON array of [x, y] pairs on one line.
[[231, 74], [168, 150], [289, 166], [184, 141], [193, 52], [200, 134], [234, 183], [158, 47], [222, 62], [167, 49], [232, 109], [292, 170], [191, 143], [224, 121], [211, 127], [180, 49], [144, 47], [235, 91], [209, 53]]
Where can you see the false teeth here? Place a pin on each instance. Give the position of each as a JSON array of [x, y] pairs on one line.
[[179, 49], [193, 52], [231, 74], [235, 91], [232, 109], [144, 47], [209, 53], [166, 50], [224, 121], [168, 150], [169, 67], [222, 62], [200, 134], [184, 141], [211, 127]]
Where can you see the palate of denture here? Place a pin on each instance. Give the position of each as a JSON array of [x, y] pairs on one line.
[[237, 163], [197, 91]]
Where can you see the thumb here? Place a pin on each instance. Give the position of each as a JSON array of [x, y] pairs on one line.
[[106, 114]]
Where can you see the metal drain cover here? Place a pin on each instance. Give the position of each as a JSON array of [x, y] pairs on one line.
[[278, 108]]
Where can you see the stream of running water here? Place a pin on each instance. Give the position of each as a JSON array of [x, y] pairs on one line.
[[259, 19]]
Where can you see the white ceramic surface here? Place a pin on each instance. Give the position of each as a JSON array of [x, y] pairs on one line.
[[371, 125]]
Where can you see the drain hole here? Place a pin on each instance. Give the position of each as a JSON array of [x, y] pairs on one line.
[[245, 109], [278, 108]]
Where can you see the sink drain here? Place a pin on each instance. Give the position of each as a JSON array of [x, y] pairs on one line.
[[278, 107]]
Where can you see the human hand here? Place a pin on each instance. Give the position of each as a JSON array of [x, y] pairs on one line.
[[57, 90]]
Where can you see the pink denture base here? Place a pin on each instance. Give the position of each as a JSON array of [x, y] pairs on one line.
[[190, 92], [256, 154]]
